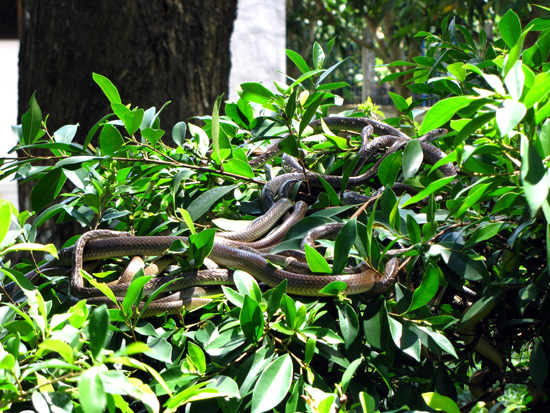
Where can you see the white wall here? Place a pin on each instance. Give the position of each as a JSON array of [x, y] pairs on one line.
[[258, 44], [9, 56]]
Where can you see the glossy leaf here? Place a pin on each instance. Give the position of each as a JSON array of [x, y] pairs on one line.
[[440, 403], [252, 320], [107, 87], [412, 159], [178, 133], [238, 167], [196, 356], [92, 397], [443, 111], [47, 188], [509, 115], [298, 61], [427, 289], [349, 323], [316, 261], [405, 339], [256, 92], [98, 327], [110, 140], [247, 286], [534, 176], [204, 202], [430, 189], [389, 169], [344, 241], [273, 385], [31, 122]]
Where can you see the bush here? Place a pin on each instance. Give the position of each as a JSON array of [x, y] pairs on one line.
[[471, 304]]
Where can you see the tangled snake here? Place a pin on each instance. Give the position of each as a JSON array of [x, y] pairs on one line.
[[243, 250]]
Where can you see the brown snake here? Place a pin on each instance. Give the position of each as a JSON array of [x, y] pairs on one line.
[[228, 249]]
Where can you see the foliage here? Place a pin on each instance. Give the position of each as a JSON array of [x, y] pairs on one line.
[[386, 27], [477, 238]]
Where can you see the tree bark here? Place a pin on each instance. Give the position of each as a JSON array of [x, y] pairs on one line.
[[153, 51]]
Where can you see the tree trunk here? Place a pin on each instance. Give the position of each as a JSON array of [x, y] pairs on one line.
[[153, 51]]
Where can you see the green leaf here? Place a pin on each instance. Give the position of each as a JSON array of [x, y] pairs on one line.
[[538, 364], [342, 246], [310, 350], [400, 102], [413, 229], [216, 126], [132, 120], [256, 92], [514, 81], [427, 290], [56, 346], [92, 391], [298, 61], [310, 111], [238, 167], [543, 141], [443, 111], [47, 188], [204, 202], [273, 385], [457, 70], [135, 291], [509, 27], [484, 233], [306, 76], [464, 265], [247, 285], [107, 87], [331, 192], [534, 176], [515, 53], [318, 56], [97, 329], [405, 339], [440, 403], [539, 90], [412, 159], [442, 341], [65, 134], [200, 246], [290, 108], [334, 288], [178, 133], [152, 135], [274, 300], [252, 320], [349, 323], [288, 306], [5, 219], [349, 373], [110, 140], [196, 356], [31, 122], [389, 169], [316, 261], [509, 115], [430, 189]]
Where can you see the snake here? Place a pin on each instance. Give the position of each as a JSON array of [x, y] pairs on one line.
[[241, 250], [391, 138], [102, 244]]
